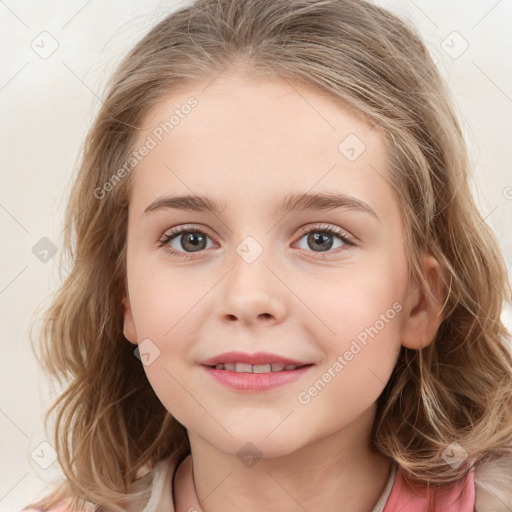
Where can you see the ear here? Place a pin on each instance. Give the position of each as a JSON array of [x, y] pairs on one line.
[[128, 324], [424, 301]]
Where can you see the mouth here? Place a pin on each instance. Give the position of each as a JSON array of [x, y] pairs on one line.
[[256, 368], [257, 378]]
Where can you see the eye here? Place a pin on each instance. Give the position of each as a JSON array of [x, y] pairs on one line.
[[183, 241], [320, 237], [191, 240]]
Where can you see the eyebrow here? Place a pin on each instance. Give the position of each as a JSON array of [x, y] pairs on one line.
[[292, 202]]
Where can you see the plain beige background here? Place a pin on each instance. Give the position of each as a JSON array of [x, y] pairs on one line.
[[56, 57]]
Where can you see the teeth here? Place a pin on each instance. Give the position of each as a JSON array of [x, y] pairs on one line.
[[261, 368], [243, 367], [257, 368]]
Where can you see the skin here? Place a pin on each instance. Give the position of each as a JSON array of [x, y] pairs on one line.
[[248, 144]]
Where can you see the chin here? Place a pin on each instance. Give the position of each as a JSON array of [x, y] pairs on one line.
[[257, 446]]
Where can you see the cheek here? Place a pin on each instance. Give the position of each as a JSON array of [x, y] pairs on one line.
[[164, 309], [359, 328], [360, 355], [353, 299], [163, 301]]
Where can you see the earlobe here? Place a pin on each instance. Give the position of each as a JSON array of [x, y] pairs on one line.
[[424, 303], [129, 331]]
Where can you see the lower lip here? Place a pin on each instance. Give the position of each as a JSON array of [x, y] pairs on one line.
[[256, 381]]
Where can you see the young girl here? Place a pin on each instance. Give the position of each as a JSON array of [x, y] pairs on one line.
[[282, 295]]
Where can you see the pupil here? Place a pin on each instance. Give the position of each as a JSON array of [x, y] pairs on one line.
[[194, 239], [322, 239]]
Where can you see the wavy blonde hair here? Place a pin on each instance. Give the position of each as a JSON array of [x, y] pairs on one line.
[[108, 421]]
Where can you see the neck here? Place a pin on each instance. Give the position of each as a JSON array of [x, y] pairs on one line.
[[337, 473]]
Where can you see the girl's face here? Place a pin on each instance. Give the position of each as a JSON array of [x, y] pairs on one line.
[[260, 276]]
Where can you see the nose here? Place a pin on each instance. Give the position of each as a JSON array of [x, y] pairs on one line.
[[252, 293]]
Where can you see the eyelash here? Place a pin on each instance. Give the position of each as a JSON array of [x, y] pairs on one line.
[[324, 228]]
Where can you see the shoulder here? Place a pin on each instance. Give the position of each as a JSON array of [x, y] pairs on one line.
[[493, 486], [61, 507], [151, 484]]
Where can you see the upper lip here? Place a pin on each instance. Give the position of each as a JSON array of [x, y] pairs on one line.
[[256, 358]]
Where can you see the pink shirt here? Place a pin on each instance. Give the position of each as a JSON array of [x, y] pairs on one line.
[[397, 496], [459, 498]]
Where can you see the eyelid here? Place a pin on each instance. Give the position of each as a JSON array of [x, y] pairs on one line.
[[182, 228], [322, 226]]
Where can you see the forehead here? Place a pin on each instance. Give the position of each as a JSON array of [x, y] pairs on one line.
[[236, 133], [236, 107]]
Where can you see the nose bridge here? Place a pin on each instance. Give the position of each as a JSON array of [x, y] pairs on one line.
[[250, 275], [252, 290]]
